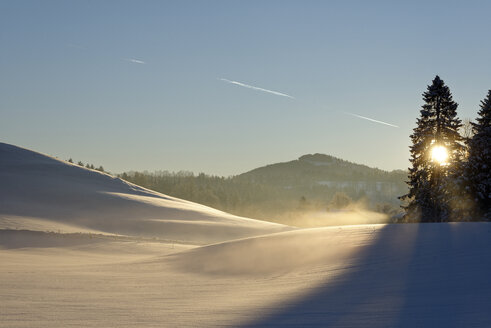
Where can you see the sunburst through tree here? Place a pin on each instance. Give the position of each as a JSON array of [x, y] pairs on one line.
[[439, 154], [437, 146]]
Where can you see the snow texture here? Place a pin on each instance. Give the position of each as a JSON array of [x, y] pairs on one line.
[[412, 275], [38, 186]]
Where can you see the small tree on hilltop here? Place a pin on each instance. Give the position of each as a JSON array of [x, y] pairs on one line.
[[437, 147], [478, 168]]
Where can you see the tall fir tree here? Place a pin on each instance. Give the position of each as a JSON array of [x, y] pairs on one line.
[[478, 168], [437, 126]]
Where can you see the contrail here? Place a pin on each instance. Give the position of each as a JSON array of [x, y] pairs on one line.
[[133, 60], [257, 88], [371, 119]]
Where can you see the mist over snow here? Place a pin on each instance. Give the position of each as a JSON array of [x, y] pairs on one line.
[[83, 248]]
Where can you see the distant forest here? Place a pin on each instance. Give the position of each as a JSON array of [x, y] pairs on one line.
[[88, 166], [283, 192]]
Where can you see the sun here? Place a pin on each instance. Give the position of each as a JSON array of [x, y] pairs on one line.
[[439, 154]]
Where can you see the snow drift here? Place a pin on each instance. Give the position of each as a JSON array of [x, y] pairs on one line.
[[404, 275], [256, 274], [36, 188], [277, 253], [412, 275]]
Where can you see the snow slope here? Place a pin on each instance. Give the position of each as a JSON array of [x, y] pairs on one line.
[[405, 275], [428, 275], [38, 192]]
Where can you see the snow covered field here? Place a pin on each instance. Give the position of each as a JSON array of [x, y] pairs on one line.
[[38, 192], [82, 249]]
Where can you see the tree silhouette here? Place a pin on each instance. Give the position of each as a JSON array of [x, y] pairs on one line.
[[478, 168], [437, 128]]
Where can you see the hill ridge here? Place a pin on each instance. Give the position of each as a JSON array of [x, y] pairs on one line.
[[38, 188]]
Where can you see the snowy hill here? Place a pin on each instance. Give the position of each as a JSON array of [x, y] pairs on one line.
[[38, 192], [400, 275]]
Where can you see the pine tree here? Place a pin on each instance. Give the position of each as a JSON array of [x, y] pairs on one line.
[[478, 168], [437, 127]]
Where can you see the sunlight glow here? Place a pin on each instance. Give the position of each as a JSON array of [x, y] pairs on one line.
[[439, 154]]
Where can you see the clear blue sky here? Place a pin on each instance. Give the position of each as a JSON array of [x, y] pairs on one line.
[[71, 84]]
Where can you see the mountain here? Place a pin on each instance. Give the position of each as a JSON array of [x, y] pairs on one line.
[[317, 173], [38, 192]]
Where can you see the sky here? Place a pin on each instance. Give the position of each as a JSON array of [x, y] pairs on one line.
[[223, 87]]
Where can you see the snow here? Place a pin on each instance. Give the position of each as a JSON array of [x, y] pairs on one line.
[[412, 275], [61, 194]]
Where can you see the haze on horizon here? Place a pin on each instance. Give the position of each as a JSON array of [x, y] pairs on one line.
[[135, 86]]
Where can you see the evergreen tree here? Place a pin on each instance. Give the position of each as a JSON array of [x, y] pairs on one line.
[[437, 128], [478, 168]]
